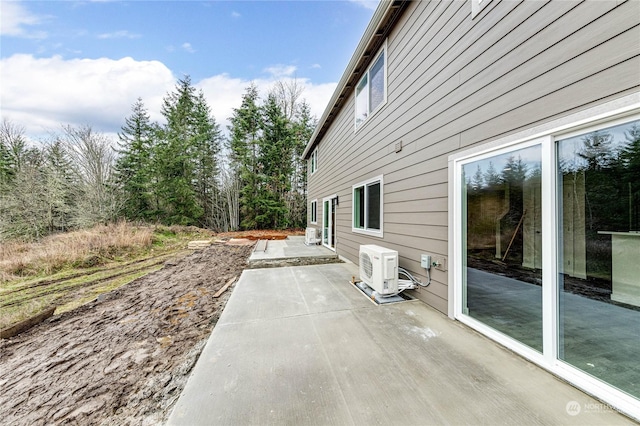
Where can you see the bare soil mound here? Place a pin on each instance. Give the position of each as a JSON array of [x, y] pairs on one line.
[[124, 358]]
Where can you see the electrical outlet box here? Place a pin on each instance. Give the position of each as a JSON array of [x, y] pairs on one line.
[[440, 263], [425, 261]]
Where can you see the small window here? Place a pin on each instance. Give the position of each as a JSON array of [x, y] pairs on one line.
[[367, 207], [314, 161], [371, 91], [313, 211]]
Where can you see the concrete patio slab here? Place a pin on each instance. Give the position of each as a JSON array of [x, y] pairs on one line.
[[300, 345], [291, 251]]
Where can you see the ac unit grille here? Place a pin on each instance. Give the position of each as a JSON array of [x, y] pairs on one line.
[[366, 265]]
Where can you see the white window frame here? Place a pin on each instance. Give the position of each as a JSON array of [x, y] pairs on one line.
[[365, 230], [313, 213], [610, 114], [313, 161], [382, 51]]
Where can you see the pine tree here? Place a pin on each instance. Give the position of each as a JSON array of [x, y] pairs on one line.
[[244, 150], [12, 152], [6, 167], [207, 140], [630, 153], [174, 167], [491, 177], [302, 129], [630, 156], [133, 168], [275, 166], [477, 181], [22, 189], [597, 150], [59, 184]]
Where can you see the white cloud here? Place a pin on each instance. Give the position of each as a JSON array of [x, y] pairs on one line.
[[280, 71], [188, 47], [318, 96], [224, 93], [15, 19], [119, 34], [315, 66], [235, 14], [43, 93], [367, 4]]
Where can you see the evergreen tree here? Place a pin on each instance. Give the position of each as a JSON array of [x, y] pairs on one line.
[[302, 129], [6, 167], [59, 184], [275, 166], [630, 153], [12, 152], [477, 182], [491, 177], [24, 209], [207, 140], [244, 150], [133, 168], [173, 160], [597, 150], [630, 156]]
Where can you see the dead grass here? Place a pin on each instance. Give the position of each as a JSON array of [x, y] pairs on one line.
[[71, 269], [81, 249]]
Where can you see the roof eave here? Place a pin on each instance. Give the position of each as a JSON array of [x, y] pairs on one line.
[[383, 20]]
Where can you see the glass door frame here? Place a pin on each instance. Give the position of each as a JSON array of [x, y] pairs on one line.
[[458, 243], [549, 359], [329, 209]]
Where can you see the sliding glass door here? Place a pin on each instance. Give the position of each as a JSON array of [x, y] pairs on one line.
[[598, 189], [503, 243], [548, 242]]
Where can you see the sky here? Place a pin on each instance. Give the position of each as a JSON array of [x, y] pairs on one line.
[[86, 62]]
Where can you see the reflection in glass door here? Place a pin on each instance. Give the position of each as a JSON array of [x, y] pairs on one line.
[[502, 281], [599, 247], [587, 311], [329, 221]]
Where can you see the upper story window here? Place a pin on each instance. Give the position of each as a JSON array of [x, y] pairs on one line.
[[371, 90], [314, 161]]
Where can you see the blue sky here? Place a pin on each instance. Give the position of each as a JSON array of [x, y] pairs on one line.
[[67, 62]]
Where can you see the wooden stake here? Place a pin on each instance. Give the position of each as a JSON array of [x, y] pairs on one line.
[[226, 286], [514, 235]]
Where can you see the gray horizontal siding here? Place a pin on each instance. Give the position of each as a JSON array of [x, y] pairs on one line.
[[454, 82]]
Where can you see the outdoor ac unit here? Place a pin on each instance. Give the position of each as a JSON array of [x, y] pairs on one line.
[[379, 269], [311, 236]]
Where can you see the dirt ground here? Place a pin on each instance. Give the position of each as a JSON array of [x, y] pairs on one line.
[[124, 358]]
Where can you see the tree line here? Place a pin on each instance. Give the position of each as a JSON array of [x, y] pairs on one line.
[[184, 171]]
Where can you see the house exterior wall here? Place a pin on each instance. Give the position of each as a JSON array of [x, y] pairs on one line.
[[455, 81]]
